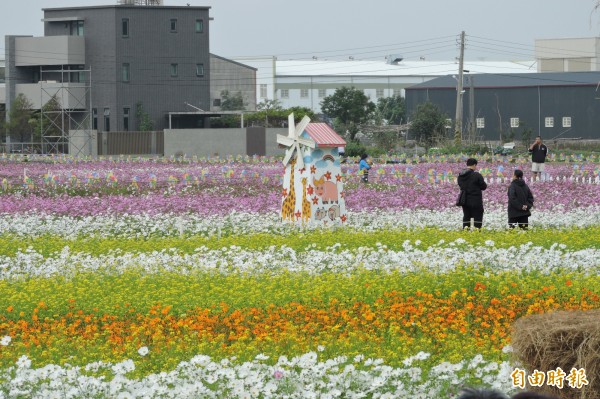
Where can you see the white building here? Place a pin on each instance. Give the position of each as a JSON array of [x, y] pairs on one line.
[[568, 55], [305, 83]]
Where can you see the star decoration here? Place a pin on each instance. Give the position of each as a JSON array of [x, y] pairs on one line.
[[328, 175], [309, 190], [313, 169], [315, 200], [302, 170], [338, 178], [298, 214], [284, 193], [344, 218]]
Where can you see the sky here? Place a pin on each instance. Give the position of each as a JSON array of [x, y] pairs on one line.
[[358, 29]]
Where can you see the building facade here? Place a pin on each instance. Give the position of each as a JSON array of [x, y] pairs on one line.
[[108, 59], [568, 54], [507, 107]]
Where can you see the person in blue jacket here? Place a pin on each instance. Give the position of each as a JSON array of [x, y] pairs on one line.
[[364, 167]]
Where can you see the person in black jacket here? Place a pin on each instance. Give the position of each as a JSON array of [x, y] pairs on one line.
[[473, 184], [538, 152], [520, 201]]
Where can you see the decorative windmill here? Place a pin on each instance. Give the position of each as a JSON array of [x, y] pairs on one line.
[[294, 140], [313, 180]]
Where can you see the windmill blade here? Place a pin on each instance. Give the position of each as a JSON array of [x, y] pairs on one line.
[[302, 125], [291, 129], [285, 140], [306, 142], [288, 155]]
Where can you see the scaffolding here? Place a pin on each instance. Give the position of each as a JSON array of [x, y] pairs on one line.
[[65, 111]]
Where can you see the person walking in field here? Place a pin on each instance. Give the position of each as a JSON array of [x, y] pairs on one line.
[[473, 184], [520, 201], [364, 166], [538, 152]]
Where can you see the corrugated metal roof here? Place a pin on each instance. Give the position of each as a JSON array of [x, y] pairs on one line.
[[405, 68], [324, 135], [515, 80]]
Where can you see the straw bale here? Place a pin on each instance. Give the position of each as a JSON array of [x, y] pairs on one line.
[[565, 339]]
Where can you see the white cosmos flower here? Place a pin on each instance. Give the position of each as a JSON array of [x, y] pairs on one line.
[[5, 341], [143, 351]]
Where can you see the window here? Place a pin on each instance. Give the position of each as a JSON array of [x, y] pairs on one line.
[[379, 93], [199, 70], [366, 92], [303, 93], [322, 93], [514, 122], [549, 121], [263, 91], [217, 102], [199, 26], [285, 93], [566, 121], [174, 70], [94, 118], [126, 119], [125, 27], [107, 119], [125, 73], [174, 26], [397, 92], [76, 28], [480, 123]]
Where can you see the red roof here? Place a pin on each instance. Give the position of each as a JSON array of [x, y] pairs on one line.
[[324, 135]]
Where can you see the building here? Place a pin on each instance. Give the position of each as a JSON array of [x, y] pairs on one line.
[[234, 77], [305, 83], [103, 62], [506, 107], [568, 54]]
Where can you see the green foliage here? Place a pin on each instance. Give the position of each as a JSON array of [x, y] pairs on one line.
[[232, 102], [391, 110], [428, 124], [271, 114], [145, 123], [21, 120], [355, 149], [349, 107]]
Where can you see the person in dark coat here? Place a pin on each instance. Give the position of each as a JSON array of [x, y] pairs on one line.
[[471, 393], [520, 201], [473, 184]]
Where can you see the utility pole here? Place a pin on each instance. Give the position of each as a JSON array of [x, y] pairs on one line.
[[459, 92], [472, 108]]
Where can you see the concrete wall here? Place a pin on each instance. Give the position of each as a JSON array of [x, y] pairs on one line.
[[208, 142], [35, 50], [69, 95], [83, 143]]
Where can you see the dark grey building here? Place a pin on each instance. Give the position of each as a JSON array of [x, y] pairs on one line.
[[107, 59], [554, 105]]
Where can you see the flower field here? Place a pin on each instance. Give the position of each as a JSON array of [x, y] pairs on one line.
[[176, 278]]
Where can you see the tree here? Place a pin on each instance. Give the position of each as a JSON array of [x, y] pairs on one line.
[[232, 102], [20, 119], [51, 119], [350, 107], [391, 110], [428, 124], [145, 123]]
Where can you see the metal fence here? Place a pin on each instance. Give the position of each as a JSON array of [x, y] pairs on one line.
[[131, 143]]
